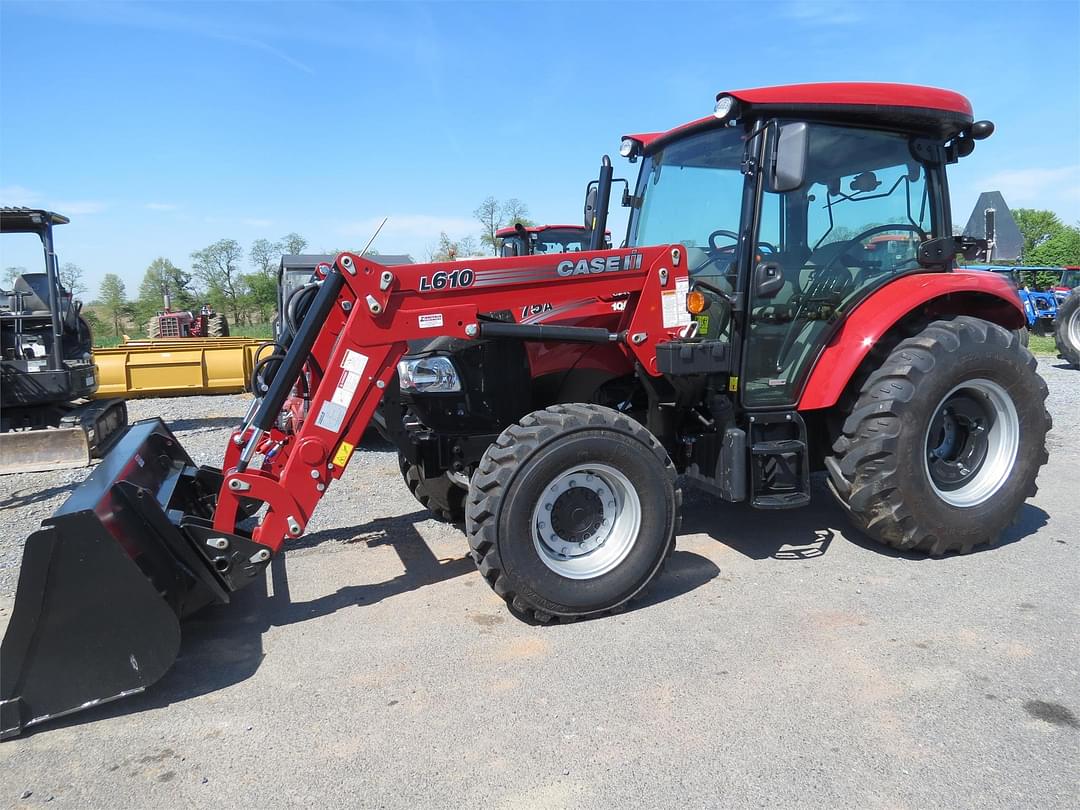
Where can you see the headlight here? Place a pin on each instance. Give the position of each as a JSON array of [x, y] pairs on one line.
[[724, 106], [627, 147], [428, 375]]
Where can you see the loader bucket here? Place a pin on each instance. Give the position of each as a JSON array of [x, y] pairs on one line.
[[105, 581]]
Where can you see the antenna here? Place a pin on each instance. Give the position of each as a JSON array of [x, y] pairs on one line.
[[372, 239]]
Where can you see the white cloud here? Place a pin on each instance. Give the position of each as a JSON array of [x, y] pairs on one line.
[[22, 196], [156, 206], [18, 195]]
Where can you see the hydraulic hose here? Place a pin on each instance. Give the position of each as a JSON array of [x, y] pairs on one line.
[[293, 362]]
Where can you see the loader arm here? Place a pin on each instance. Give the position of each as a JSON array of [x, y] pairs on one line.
[[357, 329], [150, 537]]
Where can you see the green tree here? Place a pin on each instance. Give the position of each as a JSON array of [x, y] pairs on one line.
[[493, 215], [163, 276], [1036, 226], [515, 211], [447, 250], [265, 256], [1060, 249], [261, 295], [490, 216], [293, 243], [112, 299], [217, 266]]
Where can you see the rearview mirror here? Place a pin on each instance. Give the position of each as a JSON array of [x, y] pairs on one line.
[[788, 169], [590, 204]]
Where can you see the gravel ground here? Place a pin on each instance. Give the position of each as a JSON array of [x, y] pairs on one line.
[[782, 659]]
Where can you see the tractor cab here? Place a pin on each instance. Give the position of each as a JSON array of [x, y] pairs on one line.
[[793, 209], [520, 240]]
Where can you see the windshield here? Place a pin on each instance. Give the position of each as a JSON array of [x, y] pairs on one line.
[[691, 190], [561, 240]]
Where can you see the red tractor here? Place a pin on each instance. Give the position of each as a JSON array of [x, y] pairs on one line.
[[169, 323], [522, 240], [745, 337]]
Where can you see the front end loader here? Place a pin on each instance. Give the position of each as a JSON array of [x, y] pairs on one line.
[[764, 333]]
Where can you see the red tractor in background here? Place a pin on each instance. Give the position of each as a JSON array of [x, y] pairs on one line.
[[743, 338], [528, 240], [169, 323]]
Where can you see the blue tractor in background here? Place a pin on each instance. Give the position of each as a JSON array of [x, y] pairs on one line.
[[1040, 306]]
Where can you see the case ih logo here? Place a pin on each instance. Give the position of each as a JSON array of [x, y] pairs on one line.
[[521, 275], [601, 264]]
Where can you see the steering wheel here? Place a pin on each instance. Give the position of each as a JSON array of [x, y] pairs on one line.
[[735, 237], [714, 248], [832, 281], [716, 252]]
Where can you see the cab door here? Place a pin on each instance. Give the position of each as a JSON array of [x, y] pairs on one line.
[[853, 224]]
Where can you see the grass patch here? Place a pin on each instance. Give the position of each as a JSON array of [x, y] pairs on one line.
[[1042, 345]]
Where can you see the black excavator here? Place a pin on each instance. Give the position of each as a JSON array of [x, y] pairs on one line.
[[47, 371]]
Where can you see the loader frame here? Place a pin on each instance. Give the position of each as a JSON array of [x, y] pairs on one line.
[[358, 327]]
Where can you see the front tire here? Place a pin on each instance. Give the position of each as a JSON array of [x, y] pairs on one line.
[[572, 512], [945, 441], [1067, 334], [440, 495]]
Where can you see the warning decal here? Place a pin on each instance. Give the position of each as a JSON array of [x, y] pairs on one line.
[[354, 361], [674, 304], [341, 457]]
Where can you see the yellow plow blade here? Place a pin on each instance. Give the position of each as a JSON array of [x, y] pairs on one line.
[[168, 368]]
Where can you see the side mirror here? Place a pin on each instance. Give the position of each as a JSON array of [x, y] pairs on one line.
[[590, 204], [788, 170]]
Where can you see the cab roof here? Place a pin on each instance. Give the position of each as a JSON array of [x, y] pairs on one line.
[[510, 230], [28, 220], [904, 106]]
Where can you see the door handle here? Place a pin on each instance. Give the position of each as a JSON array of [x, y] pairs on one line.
[[768, 279]]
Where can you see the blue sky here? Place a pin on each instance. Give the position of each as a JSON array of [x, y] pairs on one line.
[[161, 127]]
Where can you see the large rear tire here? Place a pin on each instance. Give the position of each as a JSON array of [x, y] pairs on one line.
[[945, 441], [572, 512], [217, 325], [440, 495], [1067, 333], [153, 327]]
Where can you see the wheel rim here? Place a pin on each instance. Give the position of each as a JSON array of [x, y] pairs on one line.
[[971, 443], [586, 521], [1073, 327]]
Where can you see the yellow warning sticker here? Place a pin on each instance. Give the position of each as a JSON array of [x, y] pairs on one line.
[[733, 383], [344, 451]]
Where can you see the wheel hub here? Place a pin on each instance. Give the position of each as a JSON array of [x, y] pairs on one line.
[[972, 443], [586, 521], [577, 514]]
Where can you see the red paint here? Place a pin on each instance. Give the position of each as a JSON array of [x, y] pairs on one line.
[[876, 315], [502, 233], [289, 482], [830, 94]]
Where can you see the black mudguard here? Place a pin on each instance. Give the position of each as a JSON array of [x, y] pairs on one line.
[[106, 580]]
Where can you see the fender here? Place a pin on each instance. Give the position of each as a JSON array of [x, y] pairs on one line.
[[976, 293]]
